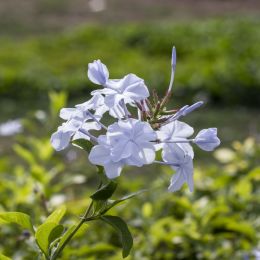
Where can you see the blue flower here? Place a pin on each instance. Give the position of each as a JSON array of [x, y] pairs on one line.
[[207, 139]]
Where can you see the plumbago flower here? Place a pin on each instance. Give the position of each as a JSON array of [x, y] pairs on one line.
[[132, 139], [126, 142], [129, 140]]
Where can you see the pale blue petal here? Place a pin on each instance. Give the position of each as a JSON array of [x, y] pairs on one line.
[[113, 170], [99, 155], [98, 72], [60, 140]]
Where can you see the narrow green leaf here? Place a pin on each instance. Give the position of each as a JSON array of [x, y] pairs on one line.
[[83, 144], [47, 233], [3, 257], [113, 203], [121, 227], [105, 192], [57, 215], [18, 218], [24, 153]]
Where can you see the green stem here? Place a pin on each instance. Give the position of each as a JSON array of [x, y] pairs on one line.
[[58, 252], [81, 222]]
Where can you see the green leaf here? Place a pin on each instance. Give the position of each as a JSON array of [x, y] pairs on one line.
[[3, 257], [83, 144], [50, 229], [57, 215], [121, 227], [18, 218], [113, 203], [58, 100], [105, 192], [56, 233], [24, 154], [47, 233], [243, 228]]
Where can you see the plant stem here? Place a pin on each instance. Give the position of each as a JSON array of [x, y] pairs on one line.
[[81, 222]]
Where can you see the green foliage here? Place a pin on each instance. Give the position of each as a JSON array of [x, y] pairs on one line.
[[2, 257], [83, 144], [57, 215], [105, 192], [50, 230], [46, 234], [18, 218], [219, 220], [121, 227], [213, 61]]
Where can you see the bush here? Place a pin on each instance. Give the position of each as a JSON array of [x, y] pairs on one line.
[[219, 220], [217, 59]]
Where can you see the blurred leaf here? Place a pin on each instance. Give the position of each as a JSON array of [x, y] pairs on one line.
[[83, 144], [147, 209], [18, 218], [224, 155], [58, 100], [3, 257], [243, 188], [57, 215], [254, 174], [95, 250], [25, 154], [105, 192], [113, 203], [121, 227], [233, 224], [244, 228]]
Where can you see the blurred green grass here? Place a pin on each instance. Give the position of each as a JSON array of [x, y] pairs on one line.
[[218, 59]]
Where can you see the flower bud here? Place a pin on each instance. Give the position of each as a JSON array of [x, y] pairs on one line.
[[207, 139], [98, 72]]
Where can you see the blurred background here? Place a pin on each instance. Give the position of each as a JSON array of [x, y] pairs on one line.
[[46, 46]]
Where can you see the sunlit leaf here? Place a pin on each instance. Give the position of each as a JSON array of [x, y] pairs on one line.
[[18, 218], [57, 101], [254, 174], [243, 188], [57, 215], [3, 257]]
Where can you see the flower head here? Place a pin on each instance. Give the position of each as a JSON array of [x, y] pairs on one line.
[[134, 138], [126, 143], [118, 93]]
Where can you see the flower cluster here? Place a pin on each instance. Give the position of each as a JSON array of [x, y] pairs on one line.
[[142, 127]]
